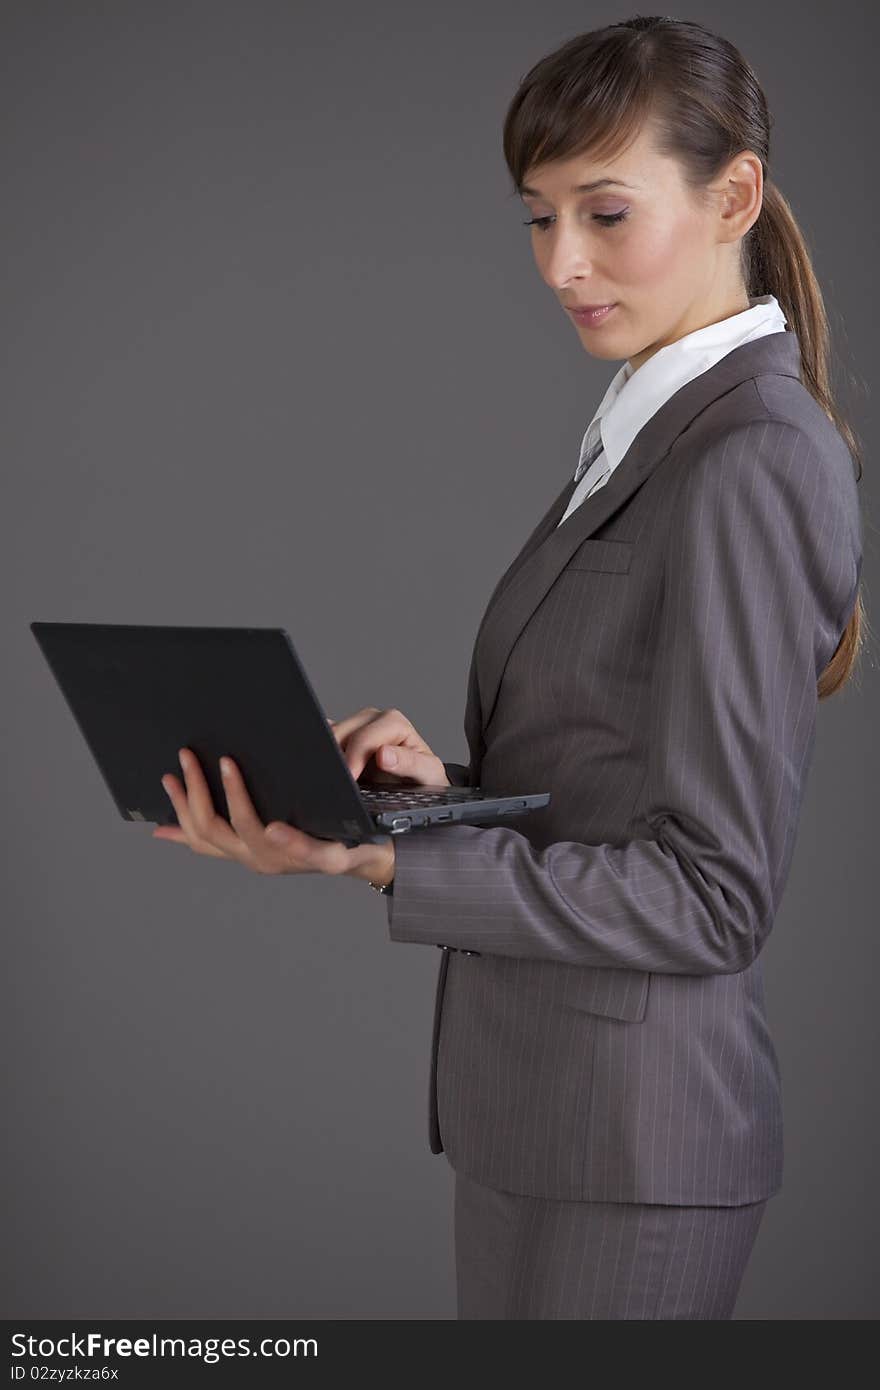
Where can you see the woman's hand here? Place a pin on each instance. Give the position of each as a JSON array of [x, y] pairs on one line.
[[389, 738], [244, 838]]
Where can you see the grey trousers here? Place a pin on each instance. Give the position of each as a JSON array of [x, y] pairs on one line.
[[536, 1257]]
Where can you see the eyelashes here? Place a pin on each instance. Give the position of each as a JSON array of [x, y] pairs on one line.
[[606, 219]]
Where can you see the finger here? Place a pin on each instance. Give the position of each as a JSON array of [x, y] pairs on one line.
[[290, 850], [242, 815], [172, 833], [207, 825], [387, 727], [343, 728], [425, 768], [177, 797], [361, 739]]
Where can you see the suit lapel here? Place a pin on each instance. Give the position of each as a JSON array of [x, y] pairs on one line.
[[549, 548], [473, 716]]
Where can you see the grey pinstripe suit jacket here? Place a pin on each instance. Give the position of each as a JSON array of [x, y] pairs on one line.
[[653, 664]]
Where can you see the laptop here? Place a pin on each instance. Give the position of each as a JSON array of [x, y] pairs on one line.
[[141, 692]]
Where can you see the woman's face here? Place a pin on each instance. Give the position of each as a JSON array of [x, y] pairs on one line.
[[642, 244]]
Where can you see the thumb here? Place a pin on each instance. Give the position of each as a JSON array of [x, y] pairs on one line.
[[406, 762]]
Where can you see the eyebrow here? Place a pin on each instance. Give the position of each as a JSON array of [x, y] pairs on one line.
[[580, 187]]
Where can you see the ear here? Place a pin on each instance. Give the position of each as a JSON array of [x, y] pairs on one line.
[[742, 194]]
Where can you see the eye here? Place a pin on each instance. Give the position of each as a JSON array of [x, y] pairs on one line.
[[605, 219]]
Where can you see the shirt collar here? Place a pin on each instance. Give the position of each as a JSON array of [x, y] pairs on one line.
[[634, 396]]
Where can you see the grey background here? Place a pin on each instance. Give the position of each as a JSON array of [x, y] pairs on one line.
[[269, 316]]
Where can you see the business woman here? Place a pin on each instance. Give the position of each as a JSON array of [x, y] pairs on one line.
[[602, 1080]]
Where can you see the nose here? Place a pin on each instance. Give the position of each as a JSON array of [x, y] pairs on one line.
[[565, 260]]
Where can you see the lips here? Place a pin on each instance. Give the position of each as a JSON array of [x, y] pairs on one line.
[[591, 318]]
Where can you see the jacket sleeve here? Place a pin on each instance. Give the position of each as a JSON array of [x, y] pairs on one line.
[[761, 572], [458, 774]]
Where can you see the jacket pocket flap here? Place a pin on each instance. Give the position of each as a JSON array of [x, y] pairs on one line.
[[611, 556], [612, 993]]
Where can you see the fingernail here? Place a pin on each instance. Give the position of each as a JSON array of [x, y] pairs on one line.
[[276, 832], [389, 757]]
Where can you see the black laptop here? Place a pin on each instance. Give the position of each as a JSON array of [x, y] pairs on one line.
[[141, 692]]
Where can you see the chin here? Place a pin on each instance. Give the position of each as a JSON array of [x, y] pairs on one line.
[[606, 352]]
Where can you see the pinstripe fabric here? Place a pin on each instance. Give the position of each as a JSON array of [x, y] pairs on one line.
[[652, 663], [532, 1257]]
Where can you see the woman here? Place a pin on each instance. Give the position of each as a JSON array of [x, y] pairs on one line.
[[603, 1082]]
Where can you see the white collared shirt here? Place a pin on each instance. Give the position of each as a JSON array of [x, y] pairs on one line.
[[634, 396]]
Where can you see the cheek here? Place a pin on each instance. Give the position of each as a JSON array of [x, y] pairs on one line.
[[657, 255]]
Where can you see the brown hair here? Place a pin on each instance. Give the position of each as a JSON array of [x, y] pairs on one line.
[[705, 103]]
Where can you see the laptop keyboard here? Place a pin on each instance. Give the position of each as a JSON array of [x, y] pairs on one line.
[[412, 796]]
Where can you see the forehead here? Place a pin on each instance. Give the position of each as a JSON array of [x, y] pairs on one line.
[[635, 167]]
